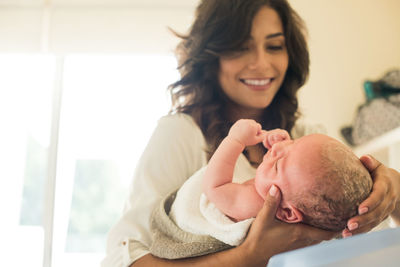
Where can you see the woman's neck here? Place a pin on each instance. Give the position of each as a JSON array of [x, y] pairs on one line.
[[236, 112]]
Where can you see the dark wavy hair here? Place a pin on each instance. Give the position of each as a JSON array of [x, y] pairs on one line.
[[220, 27]]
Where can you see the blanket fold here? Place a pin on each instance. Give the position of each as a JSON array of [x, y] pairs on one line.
[[171, 242], [194, 213]]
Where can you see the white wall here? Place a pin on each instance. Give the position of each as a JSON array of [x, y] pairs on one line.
[[350, 40], [86, 26]]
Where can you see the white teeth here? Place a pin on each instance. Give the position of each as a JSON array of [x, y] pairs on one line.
[[257, 82]]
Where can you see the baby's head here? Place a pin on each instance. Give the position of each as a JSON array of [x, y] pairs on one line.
[[321, 180]]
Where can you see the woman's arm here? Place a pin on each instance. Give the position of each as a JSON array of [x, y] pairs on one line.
[[232, 257], [267, 237], [174, 152], [383, 201]]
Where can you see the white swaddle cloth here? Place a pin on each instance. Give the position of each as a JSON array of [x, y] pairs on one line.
[[193, 213]]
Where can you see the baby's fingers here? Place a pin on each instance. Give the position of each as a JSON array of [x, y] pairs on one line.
[[261, 135], [275, 136]]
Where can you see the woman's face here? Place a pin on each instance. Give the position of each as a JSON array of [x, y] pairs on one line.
[[253, 75]]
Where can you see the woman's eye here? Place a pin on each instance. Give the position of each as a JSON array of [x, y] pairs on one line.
[[238, 51], [275, 47]]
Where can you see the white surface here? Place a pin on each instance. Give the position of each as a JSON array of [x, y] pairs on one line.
[[372, 249], [378, 143], [387, 144]]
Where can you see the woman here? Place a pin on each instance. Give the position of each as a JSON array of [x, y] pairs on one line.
[[241, 59]]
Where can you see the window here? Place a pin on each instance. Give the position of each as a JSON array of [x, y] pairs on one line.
[[109, 107], [26, 88]]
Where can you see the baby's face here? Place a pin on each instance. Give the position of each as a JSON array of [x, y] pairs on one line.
[[291, 165]]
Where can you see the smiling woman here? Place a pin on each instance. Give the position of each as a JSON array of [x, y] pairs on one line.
[[105, 100], [253, 75], [240, 59]]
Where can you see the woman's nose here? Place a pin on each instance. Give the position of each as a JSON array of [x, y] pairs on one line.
[[259, 60]]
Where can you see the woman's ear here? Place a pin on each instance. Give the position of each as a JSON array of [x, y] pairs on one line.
[[288, 213]]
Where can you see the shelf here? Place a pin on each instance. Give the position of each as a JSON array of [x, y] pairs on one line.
[[378, 143], [390, 142]]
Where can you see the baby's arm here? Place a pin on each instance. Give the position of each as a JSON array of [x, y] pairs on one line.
[[235, 200]]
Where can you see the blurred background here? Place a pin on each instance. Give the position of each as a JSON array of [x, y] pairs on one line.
[[83, 82]]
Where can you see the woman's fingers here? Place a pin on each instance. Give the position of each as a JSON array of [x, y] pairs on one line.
[[379, 189], [264, 236], [271, 204], [370, 163], [268, 236], [380, 203], [378, 193], [358, 225], [266, 216]]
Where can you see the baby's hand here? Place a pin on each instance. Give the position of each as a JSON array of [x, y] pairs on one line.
[[275, 136], [247, 132]]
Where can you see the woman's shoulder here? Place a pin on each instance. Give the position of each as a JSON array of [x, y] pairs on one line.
[[178, 119], [179, 124], [177, 130]]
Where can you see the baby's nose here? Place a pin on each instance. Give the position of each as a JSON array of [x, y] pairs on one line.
[[278, 149]]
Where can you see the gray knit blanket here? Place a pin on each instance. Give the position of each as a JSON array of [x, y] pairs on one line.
[[171, 242]]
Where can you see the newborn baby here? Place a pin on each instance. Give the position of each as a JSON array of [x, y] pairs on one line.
[[321, 180]]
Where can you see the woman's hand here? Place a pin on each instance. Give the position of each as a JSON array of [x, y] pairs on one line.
[[269, 236], [382, 202]]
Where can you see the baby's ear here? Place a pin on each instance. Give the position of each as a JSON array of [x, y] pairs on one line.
[[288, 213]]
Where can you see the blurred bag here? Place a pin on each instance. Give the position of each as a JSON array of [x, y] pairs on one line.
[[374, 118], [388, 85], [381, 112]]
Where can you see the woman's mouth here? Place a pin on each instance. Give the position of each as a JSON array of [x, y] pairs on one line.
[[257, 84]]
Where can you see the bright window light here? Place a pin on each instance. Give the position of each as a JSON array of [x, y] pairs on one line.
[[26, 87], [110, 107]]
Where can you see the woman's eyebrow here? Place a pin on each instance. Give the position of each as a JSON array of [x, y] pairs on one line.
[[273, 35]]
